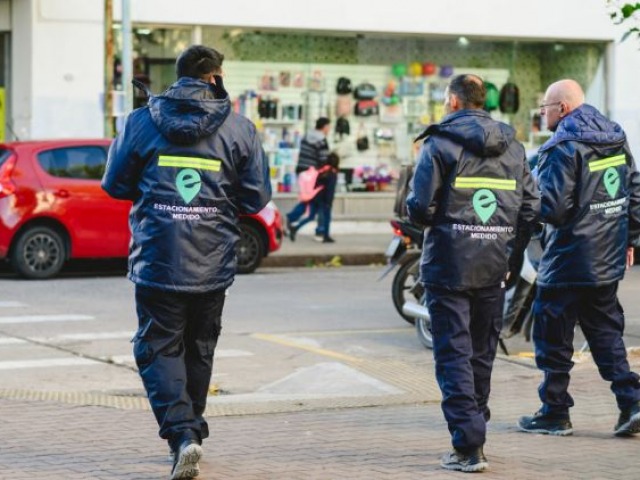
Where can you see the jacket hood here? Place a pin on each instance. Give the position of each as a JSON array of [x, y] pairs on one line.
[[315, 136], [586, 124], [476, 131], [190, 109]]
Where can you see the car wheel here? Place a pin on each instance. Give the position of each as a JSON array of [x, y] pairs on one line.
[[250, 248], [38, 253]]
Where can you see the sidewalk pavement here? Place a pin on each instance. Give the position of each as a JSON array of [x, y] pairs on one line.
[[75, 441], [356, 243]]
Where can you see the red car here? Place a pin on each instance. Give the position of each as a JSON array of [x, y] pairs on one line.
[[52, 209]]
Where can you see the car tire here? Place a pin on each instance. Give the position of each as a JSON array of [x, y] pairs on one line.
[[39, 253], [250, 248]]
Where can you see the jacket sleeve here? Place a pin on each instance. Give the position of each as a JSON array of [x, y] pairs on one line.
[[634, 200], [122, 172], [425, 185], [528, 217], [557, 182], [254, 183]]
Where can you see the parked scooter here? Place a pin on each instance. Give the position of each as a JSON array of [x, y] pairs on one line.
[[518, 316], [404, 252]]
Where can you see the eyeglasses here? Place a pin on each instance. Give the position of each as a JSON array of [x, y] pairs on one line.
[[545, 105]]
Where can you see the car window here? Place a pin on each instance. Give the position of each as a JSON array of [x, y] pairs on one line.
[[85, 162], [4, 154]]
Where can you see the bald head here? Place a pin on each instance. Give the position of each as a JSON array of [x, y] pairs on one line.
[[567, 91], [560, 99]]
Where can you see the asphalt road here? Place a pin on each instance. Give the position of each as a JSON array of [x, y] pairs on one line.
[[282, 330]]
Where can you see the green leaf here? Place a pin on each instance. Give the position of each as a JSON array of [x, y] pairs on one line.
[[628, 9]]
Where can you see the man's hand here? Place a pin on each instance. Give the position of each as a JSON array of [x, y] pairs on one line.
[[630, 257]]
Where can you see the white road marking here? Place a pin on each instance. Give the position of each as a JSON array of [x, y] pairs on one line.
[[11, 341], [219, 354], [9, 304], [46, 363], [45, 318], [85, 337]]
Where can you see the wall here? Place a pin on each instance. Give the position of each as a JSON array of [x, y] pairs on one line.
[[5, 15], [21, 95], [58, 82]]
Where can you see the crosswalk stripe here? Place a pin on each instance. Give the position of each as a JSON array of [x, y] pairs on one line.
[[230, 353], [45, 363], [11, 341], [44, 318], [83, 337], [9, 304]]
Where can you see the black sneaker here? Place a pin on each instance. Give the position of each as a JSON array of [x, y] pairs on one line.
[[628, 422], [328, 240], [474, 461], [185, 463], [292, 233], [547, 424]]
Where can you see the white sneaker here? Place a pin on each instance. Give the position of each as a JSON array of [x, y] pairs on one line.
[[185, 465]]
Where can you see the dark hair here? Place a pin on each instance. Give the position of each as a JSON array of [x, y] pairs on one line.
[[198, 61], [334, 160], [322, 122], [469, 89]]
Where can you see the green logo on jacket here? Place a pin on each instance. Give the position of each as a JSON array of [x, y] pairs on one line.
[[611, 180], [485, 204], [188, 183]]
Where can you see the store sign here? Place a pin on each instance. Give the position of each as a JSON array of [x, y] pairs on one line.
[[2, 114]]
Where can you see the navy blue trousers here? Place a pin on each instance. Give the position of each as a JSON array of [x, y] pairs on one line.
[[465, 326], [601, 318], [173, 348]]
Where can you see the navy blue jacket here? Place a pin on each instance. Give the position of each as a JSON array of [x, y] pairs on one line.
[[473, 187], [590, 192], [190, 166]]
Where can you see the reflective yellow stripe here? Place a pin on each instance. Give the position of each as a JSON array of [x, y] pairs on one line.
[[605, 163], [485, 182], [190, 162]]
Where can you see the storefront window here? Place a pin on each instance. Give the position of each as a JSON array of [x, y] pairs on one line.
[[380, 91]]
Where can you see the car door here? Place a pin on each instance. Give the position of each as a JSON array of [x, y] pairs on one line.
[[70, 176]]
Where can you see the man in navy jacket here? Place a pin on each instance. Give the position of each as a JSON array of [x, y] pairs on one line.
[[590, 193], [473, 188], [190, 166]]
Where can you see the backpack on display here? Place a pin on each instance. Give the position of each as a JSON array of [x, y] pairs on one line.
[[342, 126], [343, 87], [365, 91], [492, 98], [366, 108], [509, 98]]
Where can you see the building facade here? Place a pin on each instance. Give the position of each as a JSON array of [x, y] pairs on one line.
[[284, 59]]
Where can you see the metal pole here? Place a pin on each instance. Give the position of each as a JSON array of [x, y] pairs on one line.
[[108, 68], [127, 56]]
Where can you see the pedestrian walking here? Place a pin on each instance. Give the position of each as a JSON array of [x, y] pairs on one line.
[[314, 152], [321, 200], [473, 188], [190, 165], [590, 195]]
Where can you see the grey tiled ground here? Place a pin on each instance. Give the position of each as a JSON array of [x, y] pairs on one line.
[[69, 442]]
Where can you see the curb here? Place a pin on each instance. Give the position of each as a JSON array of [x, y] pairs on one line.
[[310, 260]]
